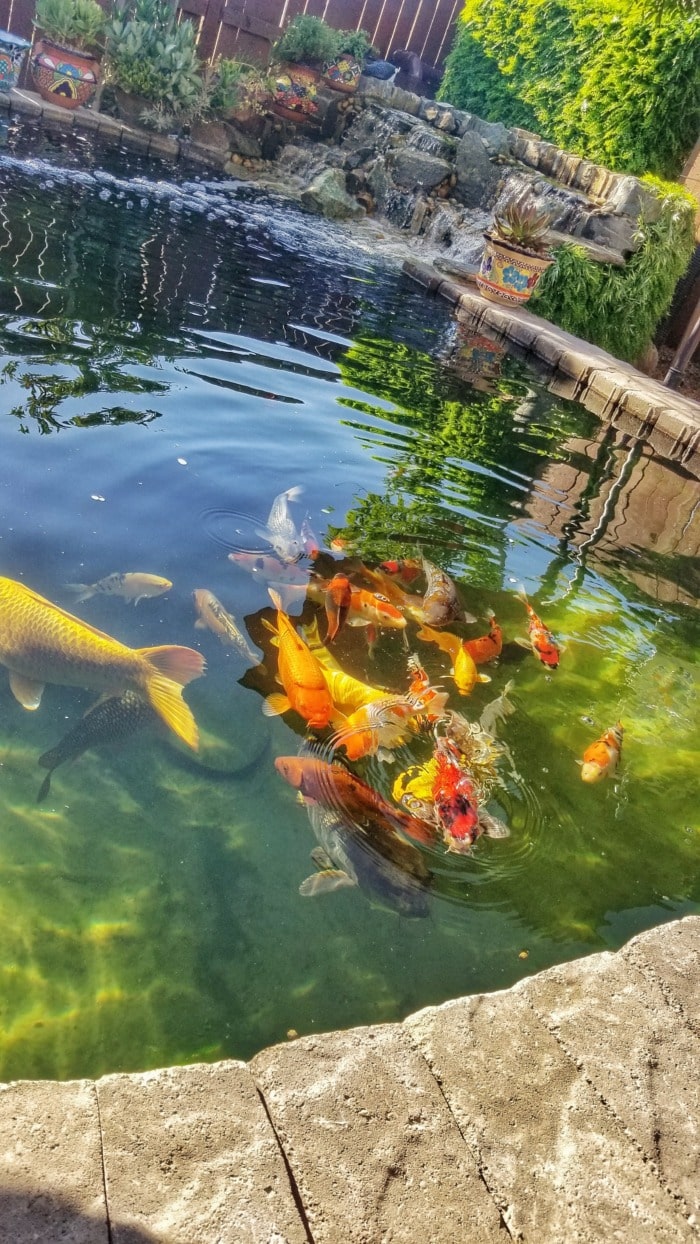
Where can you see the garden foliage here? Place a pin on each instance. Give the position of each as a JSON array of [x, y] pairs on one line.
[[619, 308], [615, 82]]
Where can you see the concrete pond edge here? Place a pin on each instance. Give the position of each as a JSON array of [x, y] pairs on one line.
[[566, 1108], [617, 392]]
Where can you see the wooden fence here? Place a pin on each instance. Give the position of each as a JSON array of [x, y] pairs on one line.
[[246, 29]]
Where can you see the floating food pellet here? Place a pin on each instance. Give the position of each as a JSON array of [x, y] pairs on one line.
[[291, 1034], [182, 461], [523, 954], [95, 496]]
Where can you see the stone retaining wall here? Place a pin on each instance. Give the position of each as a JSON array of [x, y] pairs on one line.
[[564, 1109]]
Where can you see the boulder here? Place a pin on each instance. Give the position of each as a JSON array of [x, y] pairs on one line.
[[413, 169], [495, 135], [327, 196], [478, 179]]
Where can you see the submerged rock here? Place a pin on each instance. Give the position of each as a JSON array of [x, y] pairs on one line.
[[327, 196]]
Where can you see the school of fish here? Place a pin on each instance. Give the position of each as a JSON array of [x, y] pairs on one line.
[[382, 844]]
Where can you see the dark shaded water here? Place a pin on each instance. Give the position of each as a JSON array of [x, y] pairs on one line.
[[174, 354]]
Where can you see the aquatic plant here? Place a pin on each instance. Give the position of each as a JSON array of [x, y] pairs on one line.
[[619, 308], [613, 84]]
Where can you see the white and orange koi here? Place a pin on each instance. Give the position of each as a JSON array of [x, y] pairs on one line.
[[601, 759]]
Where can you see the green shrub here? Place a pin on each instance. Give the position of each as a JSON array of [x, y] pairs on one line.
[[150, 54], [612, 82], [75, 24], [307, 40], [619, 308]]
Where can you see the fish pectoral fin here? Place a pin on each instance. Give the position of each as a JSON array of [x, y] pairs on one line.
[[325, 882], [492, 827], [483, 678], [276, 704], [522, 642], [44, 788], [199, 625], [26, 690], [322, 859]]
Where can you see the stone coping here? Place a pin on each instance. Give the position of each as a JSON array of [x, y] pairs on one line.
[[564, 1109], [616, 391]]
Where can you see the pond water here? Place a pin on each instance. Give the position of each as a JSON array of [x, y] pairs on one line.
[[177, 351]]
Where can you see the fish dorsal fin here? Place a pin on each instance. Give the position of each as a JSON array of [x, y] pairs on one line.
[[26, 690]]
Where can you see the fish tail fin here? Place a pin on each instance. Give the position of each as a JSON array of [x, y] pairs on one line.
[[83, 591], [169, 669], [311, 634], [427, 633], [276, 599], [44, 788], [293, 494], [522, 594]]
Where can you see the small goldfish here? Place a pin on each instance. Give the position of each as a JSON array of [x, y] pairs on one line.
[[486, 647], [602, 757], [441, 603], [132, 586], [337, 602], [271, 569], [404, 568], [464, 670], [110, 720], [335, 787], [213, 617], [432, 700], [542, 641], [309, 539], [280, 530], [300, 674], [40, 643]]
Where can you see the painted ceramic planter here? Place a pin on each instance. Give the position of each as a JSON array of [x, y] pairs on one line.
[[295, 93], [509, 275], [63, 75], [343, 74], [12, 52]]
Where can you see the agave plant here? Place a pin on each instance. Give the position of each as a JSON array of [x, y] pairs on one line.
[[522, 224]]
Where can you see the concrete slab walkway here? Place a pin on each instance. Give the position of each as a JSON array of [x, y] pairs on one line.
[[564, 1109]]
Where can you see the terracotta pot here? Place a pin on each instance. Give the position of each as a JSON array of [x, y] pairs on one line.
[[343, 74], [294, 94], [507, 274], [63, 75], [12, 52]]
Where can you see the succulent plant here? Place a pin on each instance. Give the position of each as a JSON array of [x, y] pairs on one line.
[[307, 40], [76, 24], [521, 223], [150, 54]]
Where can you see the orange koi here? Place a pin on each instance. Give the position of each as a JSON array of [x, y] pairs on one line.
[[380, 723], [335, 787], [372, 609], [431, 699], [542, 641], [464, 670], [486, 647], [300, 674], [602, 757], [337, 601], [404, 568]]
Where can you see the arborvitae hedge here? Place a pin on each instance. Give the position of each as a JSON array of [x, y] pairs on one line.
[[619, 308], [603, 78]]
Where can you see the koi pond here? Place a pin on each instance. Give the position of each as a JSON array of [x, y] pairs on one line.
[[178, 351]]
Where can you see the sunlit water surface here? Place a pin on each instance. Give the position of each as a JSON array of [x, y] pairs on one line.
[[175, 353]]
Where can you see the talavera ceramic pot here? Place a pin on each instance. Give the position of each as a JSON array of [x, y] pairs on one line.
[[294, 94], [64, 75], [12, 53]]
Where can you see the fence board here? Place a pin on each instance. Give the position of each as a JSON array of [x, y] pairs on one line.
[[344, 14], [449, 34], [403, 24], [422, 24], [444, 14], [315, 7]]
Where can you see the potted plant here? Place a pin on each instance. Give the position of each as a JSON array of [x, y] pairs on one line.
[[305, 46], [344, 71], [152, 64], [65, 68], [241, 93], [516, 252], [12, 50]]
